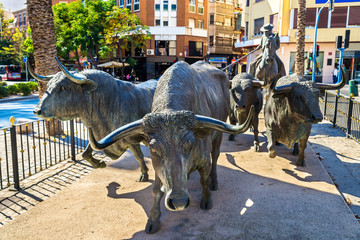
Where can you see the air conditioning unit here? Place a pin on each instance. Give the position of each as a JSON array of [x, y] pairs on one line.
[[150, 52]]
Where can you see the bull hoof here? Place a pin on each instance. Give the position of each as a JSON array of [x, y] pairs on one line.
[[300, 163], [97, 164], [144, 177], [272, 153], [231, 137], [257, 147], [206, 204], [152, 227], [214, 185]]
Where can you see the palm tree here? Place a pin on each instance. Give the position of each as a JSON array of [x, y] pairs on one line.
[[300, 40], [41, 21]]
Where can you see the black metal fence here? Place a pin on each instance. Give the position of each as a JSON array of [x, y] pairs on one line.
[[26, 148], [343, 112]]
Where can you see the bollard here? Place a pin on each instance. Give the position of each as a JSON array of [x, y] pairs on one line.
[[353, 87], [335, 107], [72, 140], [350, 110], [15, 163]]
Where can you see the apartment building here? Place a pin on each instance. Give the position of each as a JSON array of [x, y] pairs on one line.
[[223, 31], [21, 20], [283, 15], [178, 32]]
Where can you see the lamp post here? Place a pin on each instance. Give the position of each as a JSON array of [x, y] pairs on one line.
[[331, 8]]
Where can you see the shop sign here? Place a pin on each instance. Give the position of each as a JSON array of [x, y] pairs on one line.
[[218, 59]]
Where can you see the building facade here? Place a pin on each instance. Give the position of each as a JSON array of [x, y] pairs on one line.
[[224, 30], [178, 32], [283, 15]]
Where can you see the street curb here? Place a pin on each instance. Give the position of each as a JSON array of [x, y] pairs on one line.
[[17, 98]]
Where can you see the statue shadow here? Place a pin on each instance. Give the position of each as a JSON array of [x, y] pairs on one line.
[[243, 142], [127, 160]]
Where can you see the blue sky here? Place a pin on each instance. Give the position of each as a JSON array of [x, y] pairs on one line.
[[13, 5]]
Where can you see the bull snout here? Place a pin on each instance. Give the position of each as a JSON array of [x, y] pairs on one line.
[[315, 118], [37, 112], [177, 202]]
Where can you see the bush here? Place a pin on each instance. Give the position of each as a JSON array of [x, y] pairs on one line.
[[13, 89], [24, 88], [3, 83], [33, 86], [3, 92]]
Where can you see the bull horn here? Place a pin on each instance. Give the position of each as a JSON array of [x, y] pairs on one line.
[[327, 86], [234, 95], [37, 76], [257, 83], [127, 130], [76, 78], [280, 89], [215, 124]]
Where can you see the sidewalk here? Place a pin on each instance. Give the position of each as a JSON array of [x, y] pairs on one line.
[[258, 198], [18, 97]]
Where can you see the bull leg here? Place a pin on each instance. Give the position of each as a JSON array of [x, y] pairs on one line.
[[214, 157], [303, 142], [205, 180], [271, 143], [153, 224], [296, 149], [135, 149], [232, 121], [87, 155], [256, 133]]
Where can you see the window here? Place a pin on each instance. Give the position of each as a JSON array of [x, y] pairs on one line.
[[157, 22], [191, 23], [128, 4], [323, 20], [258, 23], [195, 48], [212, 19], [136, 5], [166, 23], [247, 3], [24, 18], [246, 29], [200, 6], [165, 48], [211, 41], [173, 7], [310, 17], [166, 6], [229, 2], [157, 7], [354, 16], [200, 24], [338, 17], [121, 3], [256, 1], [192, 6], [20, 22], [228, 21]]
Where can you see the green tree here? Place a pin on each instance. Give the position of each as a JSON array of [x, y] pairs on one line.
[[124, 30], [81, 27]]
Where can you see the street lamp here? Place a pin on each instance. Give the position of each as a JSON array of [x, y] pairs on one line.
[[331, 8]]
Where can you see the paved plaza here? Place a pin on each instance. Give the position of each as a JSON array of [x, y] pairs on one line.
[[258, 197]]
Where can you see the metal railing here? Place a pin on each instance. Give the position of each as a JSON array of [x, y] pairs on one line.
[[26, 148], [343, 112]]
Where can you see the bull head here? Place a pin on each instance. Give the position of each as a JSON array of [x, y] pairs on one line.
[[201, 123]]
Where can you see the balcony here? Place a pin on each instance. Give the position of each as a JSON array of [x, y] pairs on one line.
[[198, 32]]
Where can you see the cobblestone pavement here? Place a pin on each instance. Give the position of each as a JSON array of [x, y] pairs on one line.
[[40, 187]]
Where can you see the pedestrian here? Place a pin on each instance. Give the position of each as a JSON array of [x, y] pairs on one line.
[[133, 76], [127, 77], [335, 73]]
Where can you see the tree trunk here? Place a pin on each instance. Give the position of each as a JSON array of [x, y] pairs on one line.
[[41, 21], [300, 40]]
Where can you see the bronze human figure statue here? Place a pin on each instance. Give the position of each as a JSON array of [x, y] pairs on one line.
[[267, 63]]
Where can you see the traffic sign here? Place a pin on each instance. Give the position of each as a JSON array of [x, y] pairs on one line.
[[25, 59]]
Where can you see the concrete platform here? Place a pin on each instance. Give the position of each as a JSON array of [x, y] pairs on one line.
[[258, 198]]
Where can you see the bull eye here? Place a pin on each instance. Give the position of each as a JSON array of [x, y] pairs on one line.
[[62, 88]]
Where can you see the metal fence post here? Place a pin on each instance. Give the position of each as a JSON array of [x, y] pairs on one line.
[[348, 132], [335, 109], [72, 140], [15, 163], [326, 98]]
